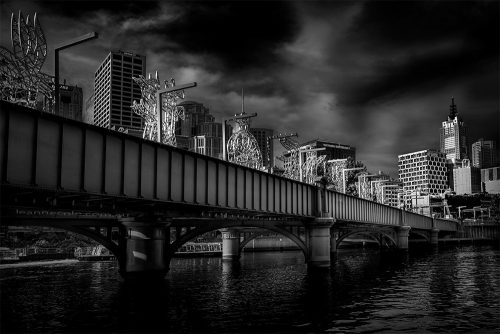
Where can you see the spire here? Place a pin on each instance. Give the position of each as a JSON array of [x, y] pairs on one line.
[[453, 109], [242, 102]]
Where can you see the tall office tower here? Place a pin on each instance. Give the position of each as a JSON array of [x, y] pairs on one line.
[[453, 139], [70, 101], [88, 114], [423, 171], [115, 91], [208, 139], [261, 135], [466, 179], [484, 154], [490, 180], [194, 114]]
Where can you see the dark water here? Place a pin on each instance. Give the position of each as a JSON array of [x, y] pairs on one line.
[[453, 290]]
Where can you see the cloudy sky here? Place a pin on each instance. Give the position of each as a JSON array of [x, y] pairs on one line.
[[376, 75]]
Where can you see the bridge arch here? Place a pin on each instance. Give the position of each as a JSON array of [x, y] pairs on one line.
[[369, 233], [82, 230], [173, 247], [421, 234]]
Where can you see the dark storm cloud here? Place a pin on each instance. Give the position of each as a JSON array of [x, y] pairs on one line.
[[240, 34], [79, 10], [415, 44]]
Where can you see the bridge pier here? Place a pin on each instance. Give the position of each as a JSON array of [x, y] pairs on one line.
[[319, 243], [143, 250], [434, 236], [402, 234], [333, 242], [230, 244]]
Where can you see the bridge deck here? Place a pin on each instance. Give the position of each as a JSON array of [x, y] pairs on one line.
[[43, 151]]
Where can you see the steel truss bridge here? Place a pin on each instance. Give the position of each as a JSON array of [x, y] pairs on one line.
[[131, 195]]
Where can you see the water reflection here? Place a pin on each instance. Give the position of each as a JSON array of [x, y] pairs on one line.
[[453, 290]]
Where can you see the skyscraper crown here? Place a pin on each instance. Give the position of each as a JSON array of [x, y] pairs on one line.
[[453, 110]]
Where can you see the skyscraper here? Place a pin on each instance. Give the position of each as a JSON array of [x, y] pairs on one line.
[[423, 171], [115, 91], [194, 114], [261, 135], [484, 154], [453, 137], [70, 102]]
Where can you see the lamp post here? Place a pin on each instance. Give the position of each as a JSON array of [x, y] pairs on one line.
[[60, 47], [343, 175], [460, 211]]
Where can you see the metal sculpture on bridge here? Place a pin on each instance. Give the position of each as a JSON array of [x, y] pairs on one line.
[[334, 173], [21, 79], [242, 147], [147, 106], [311, 165]]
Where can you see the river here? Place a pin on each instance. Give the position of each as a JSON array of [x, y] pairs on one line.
[[450, 290]]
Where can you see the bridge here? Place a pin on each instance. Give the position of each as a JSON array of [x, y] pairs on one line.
[[143, 200]]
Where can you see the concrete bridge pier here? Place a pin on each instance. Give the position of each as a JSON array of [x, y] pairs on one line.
[[333, 242], [402, 235], [319, 242], [434, 236], [143, 250], [230, 244]]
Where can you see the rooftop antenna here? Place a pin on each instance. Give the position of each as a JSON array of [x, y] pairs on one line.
[[453, 108], [242, 101]]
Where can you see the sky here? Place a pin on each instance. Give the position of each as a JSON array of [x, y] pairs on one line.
[[376, 75]]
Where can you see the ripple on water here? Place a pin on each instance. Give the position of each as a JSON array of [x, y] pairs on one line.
[[455, 290]]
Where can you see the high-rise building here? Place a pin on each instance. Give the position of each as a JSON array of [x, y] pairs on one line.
[[266, 150], [453, 139], [115, 91], [484, 154], [88, 115], [466, 179], [490, 180], [194, 114], [423, 171], [206, 145], [70, 101]]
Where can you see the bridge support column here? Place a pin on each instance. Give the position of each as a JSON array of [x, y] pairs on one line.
[[333, 242], [402, 233], [143, 250], [319, 243], [230, 244], [434, 236]]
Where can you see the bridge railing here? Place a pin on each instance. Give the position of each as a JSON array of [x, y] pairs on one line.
[[349, 208], [446, 224], [42, 150], [417, 221]]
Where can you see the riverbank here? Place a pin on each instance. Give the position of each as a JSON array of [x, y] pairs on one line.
[[36, 263]]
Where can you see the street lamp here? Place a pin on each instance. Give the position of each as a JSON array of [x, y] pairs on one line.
[[343, 175], [60, 47], [460, 211]]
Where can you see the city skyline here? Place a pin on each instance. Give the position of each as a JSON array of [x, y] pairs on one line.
[[378, 76]]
